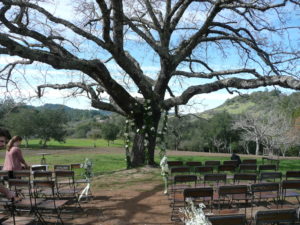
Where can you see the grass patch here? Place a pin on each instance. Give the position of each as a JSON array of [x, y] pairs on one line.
[[75, 143]]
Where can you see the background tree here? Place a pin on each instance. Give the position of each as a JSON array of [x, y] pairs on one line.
[[109, 131], [23, 123], [254, 127], [94, 134], [253, 44], [51, 125]]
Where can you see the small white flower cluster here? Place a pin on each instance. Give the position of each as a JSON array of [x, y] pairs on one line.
[[193, 215]]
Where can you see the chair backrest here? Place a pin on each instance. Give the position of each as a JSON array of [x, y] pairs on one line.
[[230, 168], [42, 175], [276, 216], [290, 184], [24, 174], [175, 163], [45, 185], [3, 176], [181, 169], [248, 167], [204, 169], [185, 179], [62, 167], [39, 168], [249, 161], [292, 174], [231, 162], [233, 219], [270, 175], [193, 163], [244, 177], [267, 167], [21, 188], [198, 192], [216, 177], [265, 187], [233, 189], [212, 163], [63, 173]]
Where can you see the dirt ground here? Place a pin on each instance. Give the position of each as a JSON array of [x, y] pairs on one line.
[[124, 198]]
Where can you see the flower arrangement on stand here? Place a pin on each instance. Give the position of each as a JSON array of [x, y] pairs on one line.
[[165, 172], [194, 215]]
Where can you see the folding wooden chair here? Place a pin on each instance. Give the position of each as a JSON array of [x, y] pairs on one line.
[[215, 179], [249, 161], [248, 168], [269, 167], [25, 201], [180, 183], [62, 167], [65, 184], [286, 216], [246, 178], [237, 219], [200, 195], [290, 188], [232, 194], [267, 176], [51, 205], [263, 191], [292, 174]]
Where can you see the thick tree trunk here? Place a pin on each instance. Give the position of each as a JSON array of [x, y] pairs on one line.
[[137, 156]]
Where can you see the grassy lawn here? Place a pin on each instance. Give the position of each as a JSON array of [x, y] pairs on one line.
[[75, 143], [107, 163]]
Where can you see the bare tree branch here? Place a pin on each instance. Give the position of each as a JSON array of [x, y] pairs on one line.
[[283, 81]]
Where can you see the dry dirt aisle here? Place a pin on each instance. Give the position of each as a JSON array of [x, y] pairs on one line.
[[124, 198]]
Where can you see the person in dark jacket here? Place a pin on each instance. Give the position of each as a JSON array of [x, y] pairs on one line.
[[236, 157]]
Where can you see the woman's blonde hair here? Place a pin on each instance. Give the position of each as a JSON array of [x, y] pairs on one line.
[[12, 141]]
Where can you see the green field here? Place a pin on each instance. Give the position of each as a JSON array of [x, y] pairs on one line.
[[107, 163], [76, 143]]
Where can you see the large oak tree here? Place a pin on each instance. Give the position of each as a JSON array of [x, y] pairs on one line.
[[207, 45]]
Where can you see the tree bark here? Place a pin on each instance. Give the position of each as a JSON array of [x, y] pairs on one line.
[[137, 156]]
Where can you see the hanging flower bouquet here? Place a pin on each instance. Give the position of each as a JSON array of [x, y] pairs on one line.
[[193, 215]]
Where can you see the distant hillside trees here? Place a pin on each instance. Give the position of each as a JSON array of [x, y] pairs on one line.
[[23, 123], [44, 124], [51, 125]]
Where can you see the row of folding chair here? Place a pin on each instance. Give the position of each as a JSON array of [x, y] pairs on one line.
[[64, 181], [282, 216], [274, 190], [210, 162], [223, 168], [236, 177]]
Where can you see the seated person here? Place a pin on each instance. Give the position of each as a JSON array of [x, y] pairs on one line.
[[236, 157]]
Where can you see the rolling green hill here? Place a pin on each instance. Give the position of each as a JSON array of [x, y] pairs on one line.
[[258, 102]]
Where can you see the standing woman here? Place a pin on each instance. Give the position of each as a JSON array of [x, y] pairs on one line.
[[13, 158]]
